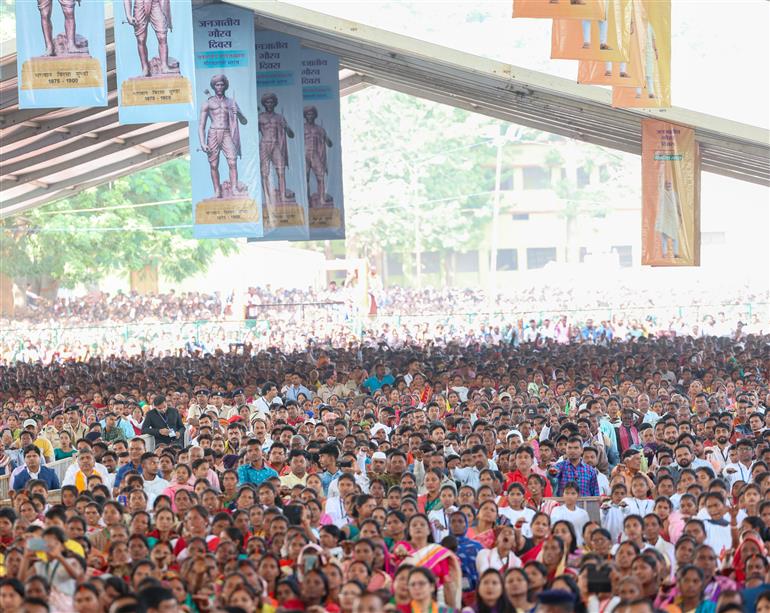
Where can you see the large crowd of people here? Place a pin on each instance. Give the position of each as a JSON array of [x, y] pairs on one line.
[[594, 472], [129, 324]]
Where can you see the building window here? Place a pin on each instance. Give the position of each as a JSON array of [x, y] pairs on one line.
[[431, 262], [467, 262], [395, 264], [507, 259], [538, 257], [625, 255], [583, 177], [536, 177], [520, 217]]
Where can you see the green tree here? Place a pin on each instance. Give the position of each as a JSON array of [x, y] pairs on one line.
[[419, 175], [108, 230]]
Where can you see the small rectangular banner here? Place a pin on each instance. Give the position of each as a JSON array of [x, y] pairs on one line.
[[554, 9], [323, 152], [281, 140], [155, 60], [655, 37], [621, 74], [224, 140], [61, 55], [605, 40], [670, 195]]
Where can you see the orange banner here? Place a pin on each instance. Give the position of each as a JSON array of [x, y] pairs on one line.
[[622, 74], [670, 195], [567, 9], [605, 39], [655, 37]]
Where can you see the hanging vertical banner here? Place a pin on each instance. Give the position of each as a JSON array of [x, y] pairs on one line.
[[670, 195], [224, 140], [605, 39], [323, 154], [655, 37], [567, 9], [155, 60], [622, 74], [281, 143], [61, 55]]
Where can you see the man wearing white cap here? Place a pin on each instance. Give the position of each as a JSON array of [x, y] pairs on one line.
[[41, 443]]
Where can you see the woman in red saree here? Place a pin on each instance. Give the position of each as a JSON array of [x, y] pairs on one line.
[[528, 549], [750, 545], [483, 529]]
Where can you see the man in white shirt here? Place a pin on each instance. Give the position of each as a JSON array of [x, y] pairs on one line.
[[263, 403], [85, 466], [153, 483], [469, 475], [101, 469], [335, 505], [719, 454], [718, 532], [591, 457], [740, 470], [530, 332], [652, 530]]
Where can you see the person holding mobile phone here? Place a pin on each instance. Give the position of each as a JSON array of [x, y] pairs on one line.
[[49, 558]]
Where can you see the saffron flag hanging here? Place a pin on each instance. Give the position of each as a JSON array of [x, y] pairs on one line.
[[623, 74], [567, 9], [655, 37], [670, 195], [606, 40]]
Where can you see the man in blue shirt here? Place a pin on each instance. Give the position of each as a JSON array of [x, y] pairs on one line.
[[34, 470], [122, 409], [378, 379], [256, 471], [574, 469], [295, 388], [136, 448], [328, 455]]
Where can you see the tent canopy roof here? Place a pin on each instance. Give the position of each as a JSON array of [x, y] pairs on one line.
[[47, 154]]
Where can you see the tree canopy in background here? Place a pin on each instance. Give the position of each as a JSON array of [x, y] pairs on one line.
[[414, 166], [111, 229], [417, 174]]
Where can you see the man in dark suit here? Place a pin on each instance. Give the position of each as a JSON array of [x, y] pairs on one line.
[[164, 423], [34, 470]]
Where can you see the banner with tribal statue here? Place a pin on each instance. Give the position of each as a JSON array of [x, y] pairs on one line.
[[155, 60], [61, 56], [281, 142], [323, 149], [224, 140]]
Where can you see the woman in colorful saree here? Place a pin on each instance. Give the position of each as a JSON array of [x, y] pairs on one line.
[[419, 550], [528, 549]]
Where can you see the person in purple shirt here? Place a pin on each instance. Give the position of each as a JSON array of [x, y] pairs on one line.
[[574, 469]]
